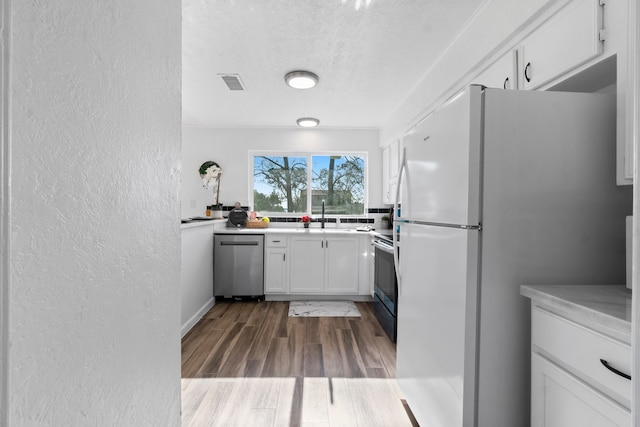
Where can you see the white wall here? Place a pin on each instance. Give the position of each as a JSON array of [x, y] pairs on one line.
[[4, 207], [229, 147], [94, 318]]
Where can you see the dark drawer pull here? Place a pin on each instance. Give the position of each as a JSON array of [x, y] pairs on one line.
[[614, 370]]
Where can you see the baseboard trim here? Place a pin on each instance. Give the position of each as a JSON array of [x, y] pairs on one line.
[[307, 297], [189, 324]]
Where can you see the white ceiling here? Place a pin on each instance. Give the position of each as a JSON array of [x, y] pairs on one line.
[[369, 55]]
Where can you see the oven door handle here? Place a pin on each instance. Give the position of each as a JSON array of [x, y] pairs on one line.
[[384, 248]]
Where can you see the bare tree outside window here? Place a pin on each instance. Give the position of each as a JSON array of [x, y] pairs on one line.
[[282, 178], [339, 181], [281, 184]]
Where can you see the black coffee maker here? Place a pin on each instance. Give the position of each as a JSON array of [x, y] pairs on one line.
[[237, 217]]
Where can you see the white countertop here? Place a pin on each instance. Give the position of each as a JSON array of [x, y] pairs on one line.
[[291, 230], [298, 229], [608, 305]]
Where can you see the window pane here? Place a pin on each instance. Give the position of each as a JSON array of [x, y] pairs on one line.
[[279, 183], [339, 181]]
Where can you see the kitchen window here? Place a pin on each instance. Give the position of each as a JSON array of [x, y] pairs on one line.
[[299, 182]]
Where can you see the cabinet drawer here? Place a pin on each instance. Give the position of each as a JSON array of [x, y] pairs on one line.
[[559, 399], [276, 241], [580, 349]]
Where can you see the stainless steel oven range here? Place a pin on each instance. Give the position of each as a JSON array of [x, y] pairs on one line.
[[385, 284]]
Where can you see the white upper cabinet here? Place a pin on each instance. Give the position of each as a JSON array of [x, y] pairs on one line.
[[394, 159], [585, 46], [502, 74], [390, 168], [386, 193], [567, 40]]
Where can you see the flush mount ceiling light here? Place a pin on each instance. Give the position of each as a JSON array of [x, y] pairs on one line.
[[308, 122], [301, 79]]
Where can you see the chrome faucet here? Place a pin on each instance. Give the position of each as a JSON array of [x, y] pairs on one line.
[[322, 219]]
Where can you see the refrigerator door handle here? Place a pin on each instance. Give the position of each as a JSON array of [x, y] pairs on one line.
[[396, 258]]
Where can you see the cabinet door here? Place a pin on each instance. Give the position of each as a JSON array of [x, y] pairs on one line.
[[341, 265], [393, 187], [386, 194], [275, 278], [394, 159], [567, 40], [501, 74], [307, 265], [558, 399]]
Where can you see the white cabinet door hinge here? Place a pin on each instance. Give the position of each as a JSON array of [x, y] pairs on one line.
[[602, 35]]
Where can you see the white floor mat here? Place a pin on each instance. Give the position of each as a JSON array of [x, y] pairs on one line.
[[323, 309]]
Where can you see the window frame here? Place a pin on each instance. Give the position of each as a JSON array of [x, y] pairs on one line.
[[309, 155]]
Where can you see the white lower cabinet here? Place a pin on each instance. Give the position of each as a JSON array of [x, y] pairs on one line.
[[570, 386], [196, 284], [324, 265], [307, 264], [341, 265], [276, 264], [559, 399]]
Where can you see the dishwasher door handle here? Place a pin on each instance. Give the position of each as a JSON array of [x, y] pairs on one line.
[[239, 243]]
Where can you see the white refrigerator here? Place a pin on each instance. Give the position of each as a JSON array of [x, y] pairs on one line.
[[499, 189]]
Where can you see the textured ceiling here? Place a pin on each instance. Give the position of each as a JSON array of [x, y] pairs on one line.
[[369, 55]]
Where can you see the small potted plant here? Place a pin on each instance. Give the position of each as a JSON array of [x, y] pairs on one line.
[[306, 220]]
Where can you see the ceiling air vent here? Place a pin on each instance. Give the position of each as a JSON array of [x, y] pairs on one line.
[[233, 81]]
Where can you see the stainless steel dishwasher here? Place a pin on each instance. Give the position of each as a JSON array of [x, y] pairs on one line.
[[238, 265]]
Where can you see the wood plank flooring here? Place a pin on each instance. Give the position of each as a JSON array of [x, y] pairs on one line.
[[249, 364]]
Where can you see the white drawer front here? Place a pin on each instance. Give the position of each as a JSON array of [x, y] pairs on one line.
[[276, 241], [580, 349], [558, 399]]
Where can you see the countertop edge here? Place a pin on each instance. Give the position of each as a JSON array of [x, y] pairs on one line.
[[293, 231], [568, 299], [194, 224], [219, 227]]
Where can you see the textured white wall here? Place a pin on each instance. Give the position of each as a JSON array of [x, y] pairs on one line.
[[229, 147], [4, 207], [95, 239]]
